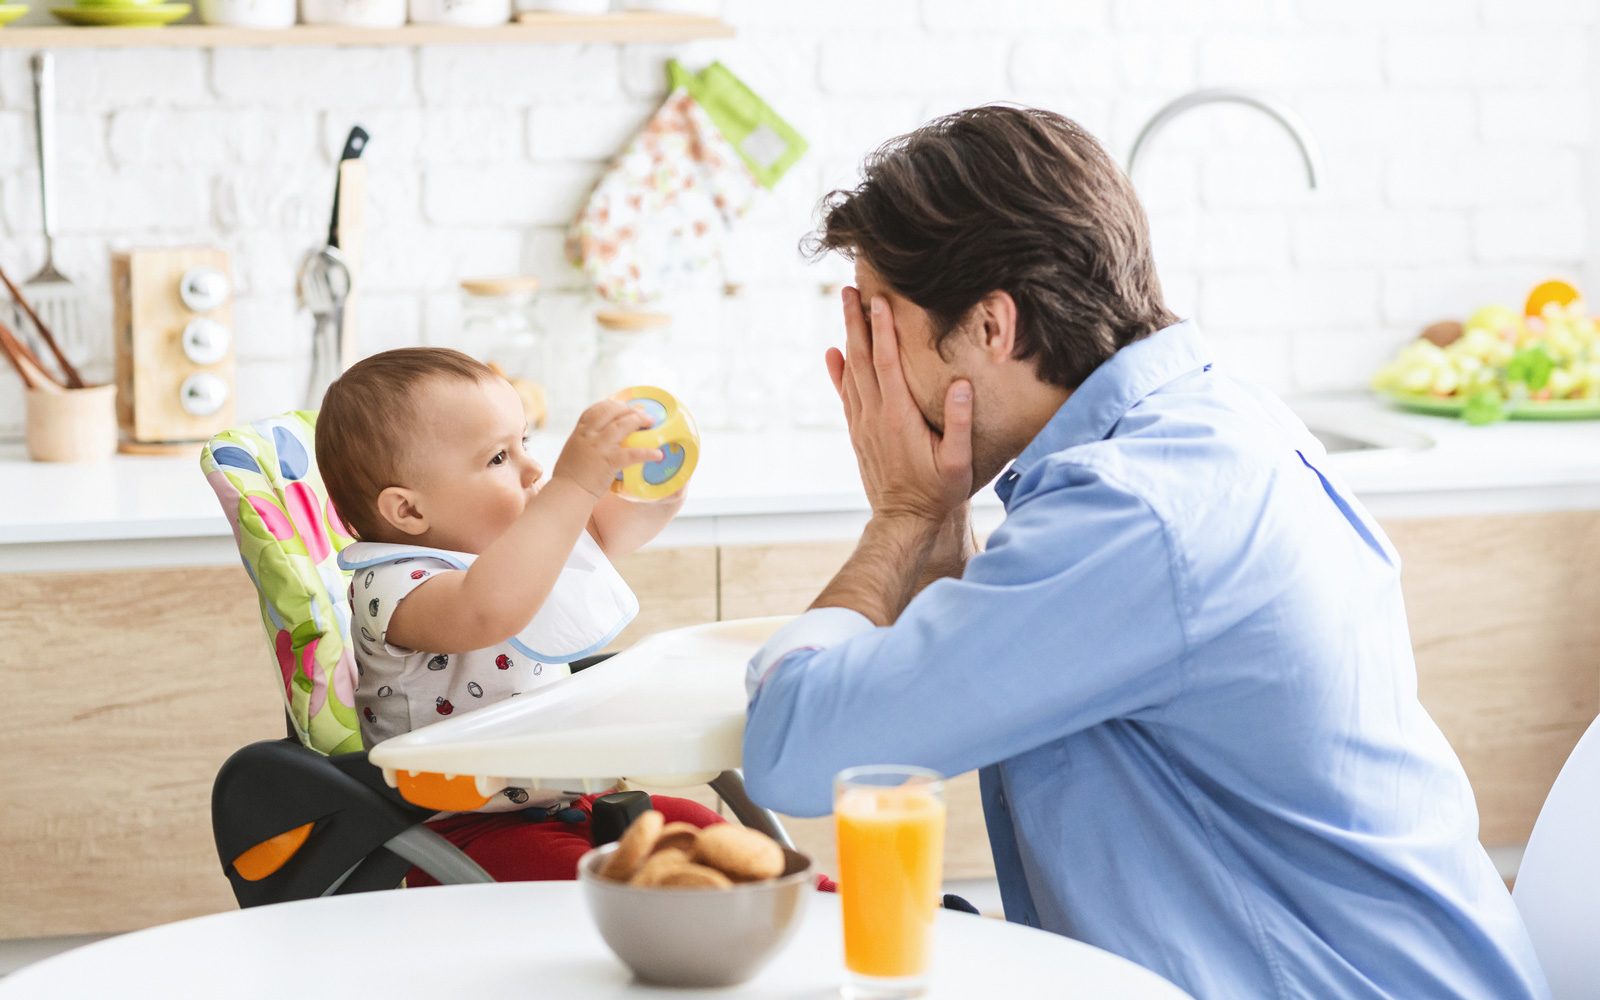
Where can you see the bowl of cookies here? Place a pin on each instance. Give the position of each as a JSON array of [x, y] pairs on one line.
[[684, 906]]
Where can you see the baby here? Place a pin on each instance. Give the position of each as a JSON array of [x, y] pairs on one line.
[[475, 577]]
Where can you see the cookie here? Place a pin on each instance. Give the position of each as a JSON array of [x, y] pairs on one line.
[[659, 866], [740, 853], [679, 835], [635, 844], [693, 876]]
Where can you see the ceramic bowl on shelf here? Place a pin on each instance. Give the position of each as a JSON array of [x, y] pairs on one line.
[[124, 15], [466, 13], [354, 13], [563, 6], [11, 11], [267, 14]]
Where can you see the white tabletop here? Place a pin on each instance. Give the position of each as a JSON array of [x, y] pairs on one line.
[[523, 939]]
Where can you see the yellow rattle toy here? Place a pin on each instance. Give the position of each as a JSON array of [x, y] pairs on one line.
[[672, 430]]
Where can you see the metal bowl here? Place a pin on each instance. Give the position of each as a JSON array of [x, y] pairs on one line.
[[697, 937]]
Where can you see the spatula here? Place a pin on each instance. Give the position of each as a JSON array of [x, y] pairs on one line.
[[59, 303]]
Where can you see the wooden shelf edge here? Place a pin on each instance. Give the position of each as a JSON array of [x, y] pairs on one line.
[[532, 29]]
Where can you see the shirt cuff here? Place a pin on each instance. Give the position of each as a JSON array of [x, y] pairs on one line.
[[818, 628]]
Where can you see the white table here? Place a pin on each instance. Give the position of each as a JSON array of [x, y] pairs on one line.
[[522, 940]]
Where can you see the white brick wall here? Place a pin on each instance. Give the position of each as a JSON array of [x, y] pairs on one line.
[[1457, 134]]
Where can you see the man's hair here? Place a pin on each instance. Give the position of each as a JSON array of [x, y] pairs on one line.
[[366, 419], [1010, 199]]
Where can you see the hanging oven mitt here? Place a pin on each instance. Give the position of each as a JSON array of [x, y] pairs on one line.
[[662, 208]]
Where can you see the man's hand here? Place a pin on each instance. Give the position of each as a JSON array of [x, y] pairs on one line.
[[909, 469], [917, 479]]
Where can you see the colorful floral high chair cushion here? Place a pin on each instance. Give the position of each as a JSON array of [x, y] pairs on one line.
[[289, 536]]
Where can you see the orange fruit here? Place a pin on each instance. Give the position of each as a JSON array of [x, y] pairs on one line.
[[1562, 293]]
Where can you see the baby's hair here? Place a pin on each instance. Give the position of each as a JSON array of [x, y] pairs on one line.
[[365, 419]]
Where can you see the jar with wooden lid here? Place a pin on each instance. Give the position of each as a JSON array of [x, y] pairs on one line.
[[631, 348], [500, 328]]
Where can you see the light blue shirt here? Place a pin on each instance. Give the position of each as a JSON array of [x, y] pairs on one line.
[[1182, 665]]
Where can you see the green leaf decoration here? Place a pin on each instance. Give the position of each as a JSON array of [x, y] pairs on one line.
[[1532, 367], [1484, 407]]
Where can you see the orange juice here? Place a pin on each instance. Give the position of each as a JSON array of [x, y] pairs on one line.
[[891, 852]]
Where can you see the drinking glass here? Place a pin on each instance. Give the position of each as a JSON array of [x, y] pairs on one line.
[[890, 824]]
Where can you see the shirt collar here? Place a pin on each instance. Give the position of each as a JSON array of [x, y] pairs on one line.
[[1110, 391]]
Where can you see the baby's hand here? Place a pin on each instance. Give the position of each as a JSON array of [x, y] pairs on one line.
[[594, 454]]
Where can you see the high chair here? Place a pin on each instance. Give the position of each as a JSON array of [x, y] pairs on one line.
[[309, 815]]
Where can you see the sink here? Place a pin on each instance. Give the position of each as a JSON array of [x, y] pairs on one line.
[[1339, 443], [1355, 436]]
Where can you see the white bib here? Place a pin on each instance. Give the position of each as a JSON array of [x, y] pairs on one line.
[[587, 607]]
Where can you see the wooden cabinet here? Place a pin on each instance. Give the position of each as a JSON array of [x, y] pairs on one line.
[[1505, 625], [127, 689]]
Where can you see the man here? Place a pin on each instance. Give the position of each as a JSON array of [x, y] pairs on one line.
[[1182, 663]]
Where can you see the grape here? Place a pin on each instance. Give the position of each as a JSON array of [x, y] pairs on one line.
[[1416, 379]]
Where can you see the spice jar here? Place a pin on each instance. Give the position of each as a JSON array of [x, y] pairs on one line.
[[631, 350], [499, 327]]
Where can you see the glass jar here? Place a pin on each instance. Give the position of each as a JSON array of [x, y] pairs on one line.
[[500, 328], [631, 348]]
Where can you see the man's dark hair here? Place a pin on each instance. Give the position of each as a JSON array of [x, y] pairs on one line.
[[1012, 199]]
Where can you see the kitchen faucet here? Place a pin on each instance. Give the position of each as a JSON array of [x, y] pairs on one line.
[[1310, 152]]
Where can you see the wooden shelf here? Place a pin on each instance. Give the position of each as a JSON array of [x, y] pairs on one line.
[[533, 29]]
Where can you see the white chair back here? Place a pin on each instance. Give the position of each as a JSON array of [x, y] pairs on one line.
[[1558, 883]]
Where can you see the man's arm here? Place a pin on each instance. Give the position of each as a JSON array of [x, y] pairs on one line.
[[954, 547], [1070, 618], [886, 570]]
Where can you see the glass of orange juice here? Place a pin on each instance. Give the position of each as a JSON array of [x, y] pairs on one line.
[[890, 824]]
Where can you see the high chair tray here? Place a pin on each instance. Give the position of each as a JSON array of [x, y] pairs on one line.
[[671, 706]]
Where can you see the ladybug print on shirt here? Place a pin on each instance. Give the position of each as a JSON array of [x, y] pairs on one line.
[[402, 689]]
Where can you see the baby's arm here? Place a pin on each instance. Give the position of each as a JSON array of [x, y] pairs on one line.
[[496, 597], [622, 526]]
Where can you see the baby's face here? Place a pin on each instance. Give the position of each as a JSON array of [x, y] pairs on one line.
[[467, 464]]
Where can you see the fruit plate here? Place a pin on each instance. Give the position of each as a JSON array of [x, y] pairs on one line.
[[148, 15], [1452, 406], [11, 11]]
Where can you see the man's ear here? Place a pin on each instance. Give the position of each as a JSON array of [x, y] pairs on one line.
[[398, 507], [996, 316]]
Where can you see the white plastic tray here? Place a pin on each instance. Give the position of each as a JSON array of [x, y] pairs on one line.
[[669, 710]]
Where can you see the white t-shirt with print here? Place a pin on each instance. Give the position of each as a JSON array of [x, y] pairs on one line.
[[400, 689]]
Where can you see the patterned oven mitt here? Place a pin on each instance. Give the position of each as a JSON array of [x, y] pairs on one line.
[[289, 536], [662, 208]]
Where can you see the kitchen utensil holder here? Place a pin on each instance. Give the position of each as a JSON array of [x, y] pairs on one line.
[[73, 425]]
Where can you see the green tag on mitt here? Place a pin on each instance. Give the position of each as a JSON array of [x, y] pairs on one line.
[[768, 145]]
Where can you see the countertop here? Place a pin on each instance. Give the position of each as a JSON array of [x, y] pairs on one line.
[[788, 486]]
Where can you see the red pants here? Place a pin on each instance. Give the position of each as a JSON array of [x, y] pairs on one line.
[[513, 848]]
